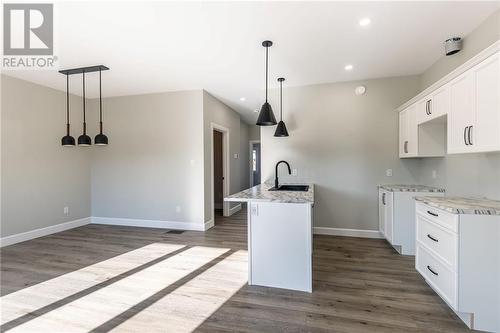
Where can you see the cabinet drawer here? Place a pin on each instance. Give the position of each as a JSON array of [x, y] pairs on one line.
[[440, 241], [438, 216], [440, 278]]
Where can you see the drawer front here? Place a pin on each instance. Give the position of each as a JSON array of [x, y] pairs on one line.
[[440, 241], [441, 279], [438, 216]]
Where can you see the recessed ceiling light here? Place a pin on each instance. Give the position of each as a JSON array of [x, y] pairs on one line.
[[242, 99], [348, 67], [364, 22]]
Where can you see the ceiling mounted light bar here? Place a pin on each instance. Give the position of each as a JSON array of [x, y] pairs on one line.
[[88, 69]]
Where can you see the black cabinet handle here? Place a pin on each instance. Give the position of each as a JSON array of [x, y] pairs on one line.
[[383, 199], [431, 213], [428, 107], [406, 147], [469, 135], [430, 269], [434, 239], [465, 135]]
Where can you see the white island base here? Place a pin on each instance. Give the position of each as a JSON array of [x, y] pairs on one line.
[[280, 245], [279, 236]]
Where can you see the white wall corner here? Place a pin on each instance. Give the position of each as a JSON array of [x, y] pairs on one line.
[[347, 232], [25, 236], [209, 224]]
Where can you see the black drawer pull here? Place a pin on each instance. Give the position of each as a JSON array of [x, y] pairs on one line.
[[431, 213], [434, 239], [430, 269]]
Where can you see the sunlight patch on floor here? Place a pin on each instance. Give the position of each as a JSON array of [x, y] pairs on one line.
[[92, 310], [19, 303], [191, 304]]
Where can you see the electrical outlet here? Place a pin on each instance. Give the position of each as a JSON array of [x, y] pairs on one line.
[[294, 172], [235, 156], [388, 172], [255, 210], [177, 209], [66, 210], [434, 174]]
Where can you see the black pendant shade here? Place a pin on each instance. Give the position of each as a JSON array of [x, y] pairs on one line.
[[266, 115], [84, 140], [67, 140], [100, 139], [281, 130]]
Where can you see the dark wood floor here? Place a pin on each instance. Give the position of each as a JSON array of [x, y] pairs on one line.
[[360, 285]]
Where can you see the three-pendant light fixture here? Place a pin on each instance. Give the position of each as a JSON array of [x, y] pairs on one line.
[[266, 115], [84, 140]]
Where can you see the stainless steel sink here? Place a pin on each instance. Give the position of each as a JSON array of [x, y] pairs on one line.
[[297, 188]]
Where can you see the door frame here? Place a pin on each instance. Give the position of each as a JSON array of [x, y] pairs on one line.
[[250, 145], [225, 168]]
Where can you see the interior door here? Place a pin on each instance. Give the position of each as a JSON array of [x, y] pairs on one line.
[[461, 115], [255, 163]]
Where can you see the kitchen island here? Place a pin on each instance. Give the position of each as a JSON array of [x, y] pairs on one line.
[[279, 236]]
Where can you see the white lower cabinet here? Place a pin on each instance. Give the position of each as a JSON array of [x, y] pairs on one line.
[[459, 257], [397, 218]]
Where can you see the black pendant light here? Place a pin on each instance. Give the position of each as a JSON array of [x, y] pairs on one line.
[[84, 140], [281, 128], [100, 139], [266, 115], [67, 140]]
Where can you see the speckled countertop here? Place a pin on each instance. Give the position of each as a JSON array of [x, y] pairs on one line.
[[261, 193], [410, 188], [457, 205]]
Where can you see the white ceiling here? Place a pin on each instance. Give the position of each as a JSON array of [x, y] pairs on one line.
[[168, 46]]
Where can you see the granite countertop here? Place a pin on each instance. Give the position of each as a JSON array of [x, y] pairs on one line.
[[410, 188], [458, 205], [261, 193]]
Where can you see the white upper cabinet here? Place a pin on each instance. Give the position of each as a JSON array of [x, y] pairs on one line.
[[434, 105], [458, 114], [408, 132], [474, 118]]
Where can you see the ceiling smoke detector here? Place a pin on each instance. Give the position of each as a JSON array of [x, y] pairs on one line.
[[452, 45]]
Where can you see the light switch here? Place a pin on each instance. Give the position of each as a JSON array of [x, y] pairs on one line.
[[294, 172], [235, 155], [388, 172], [434, 174], [255, 210]]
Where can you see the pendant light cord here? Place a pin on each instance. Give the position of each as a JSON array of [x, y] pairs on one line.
[[84, 122], [100, 102], [67, 104], [267, 48], [281, 100]]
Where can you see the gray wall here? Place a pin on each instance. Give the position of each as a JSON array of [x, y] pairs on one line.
[[466, 174], [343, 143], [253, 132], [214, 111], [153, 166], [39, 176]]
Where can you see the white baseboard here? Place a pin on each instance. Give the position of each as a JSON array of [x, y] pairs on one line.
[[347, 232], [22, 237], [149, 223], [235, 209], [209, 224]]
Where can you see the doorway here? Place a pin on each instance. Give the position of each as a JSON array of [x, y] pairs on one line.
[[218, 173], [255, 163], [220, 180]]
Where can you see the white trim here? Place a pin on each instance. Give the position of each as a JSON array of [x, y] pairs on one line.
[[25, 236], [235, 209], [250, 144], [150, 223], [209, 224], [225, 167], [347, 232], [487, 52]]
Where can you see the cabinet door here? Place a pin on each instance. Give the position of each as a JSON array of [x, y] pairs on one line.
[[485, 133], [461, 115], [403, 133], [381, 211], [440, 102], [388, 221], [412, 131]]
